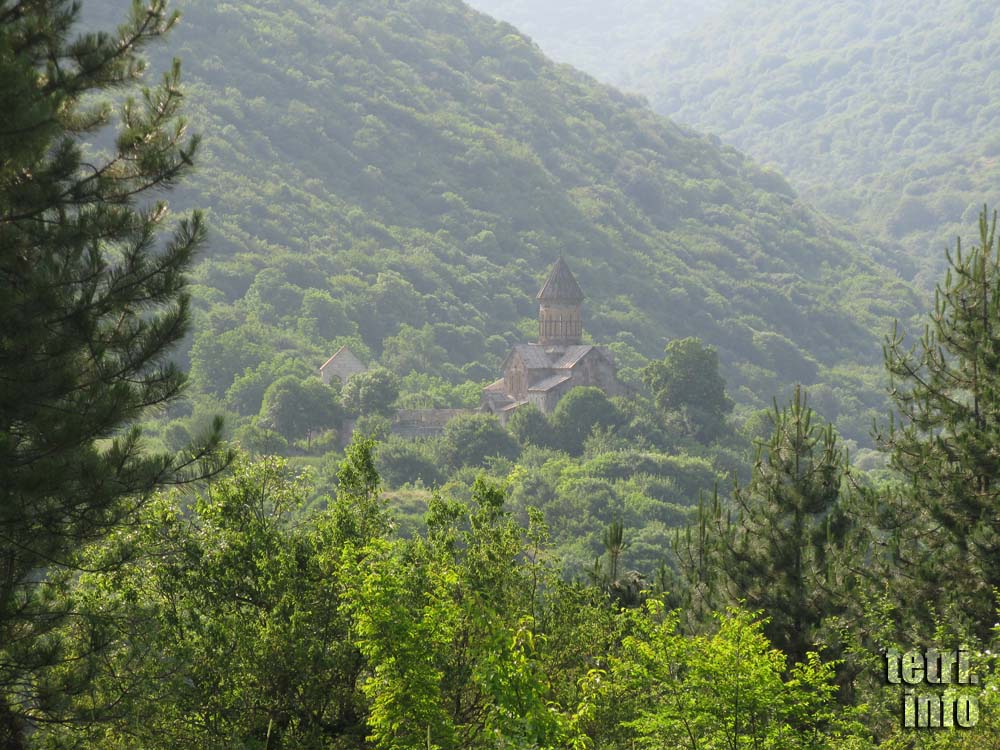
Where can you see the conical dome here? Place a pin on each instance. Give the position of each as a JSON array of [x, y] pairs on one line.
[[561, 286]]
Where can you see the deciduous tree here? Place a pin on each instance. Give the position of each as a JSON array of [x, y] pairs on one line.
[[295, 407], [687, 382], [579, 412], [371, 392], [471, 438]]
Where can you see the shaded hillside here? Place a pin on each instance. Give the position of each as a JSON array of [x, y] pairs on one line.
[[373, 164], [884, 113], [601, 37]]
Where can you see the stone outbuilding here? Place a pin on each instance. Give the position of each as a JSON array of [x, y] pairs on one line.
[[343, 365]]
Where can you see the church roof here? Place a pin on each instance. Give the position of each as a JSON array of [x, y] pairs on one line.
[[497, 386], [550, 382], [534, 355], [541, 357], [573, 355], [560, 286]]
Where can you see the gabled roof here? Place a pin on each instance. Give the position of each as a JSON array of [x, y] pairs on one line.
[[573, 355], [549, 383], [346, 355], [560, 286], [541, 357], [496, 386], [534, 355]]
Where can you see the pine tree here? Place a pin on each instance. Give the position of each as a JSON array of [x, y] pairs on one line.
[[692, 583], [626, 588], [90, 304], [774, 549], [944, 522]]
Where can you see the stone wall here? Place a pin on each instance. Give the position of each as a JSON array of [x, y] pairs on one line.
[[424, 422]]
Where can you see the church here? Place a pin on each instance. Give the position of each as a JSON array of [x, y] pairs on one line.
[[543, 372]]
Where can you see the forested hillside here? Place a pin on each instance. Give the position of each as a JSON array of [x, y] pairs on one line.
[[369, 165], [884, 114]]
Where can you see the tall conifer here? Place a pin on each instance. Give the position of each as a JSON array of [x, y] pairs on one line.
[[90, 304], [944, 520], [772, 547], [787, 518]]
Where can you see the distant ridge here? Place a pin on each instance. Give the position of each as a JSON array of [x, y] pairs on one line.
[[884, 114]]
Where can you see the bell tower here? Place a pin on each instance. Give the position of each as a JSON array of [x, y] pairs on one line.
[[559, 303]]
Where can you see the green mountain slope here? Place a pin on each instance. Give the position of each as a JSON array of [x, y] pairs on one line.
[[884, 113], [370, 165]]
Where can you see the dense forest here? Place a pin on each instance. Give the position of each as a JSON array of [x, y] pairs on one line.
[[204, 545], [881, 114], [398, 178]]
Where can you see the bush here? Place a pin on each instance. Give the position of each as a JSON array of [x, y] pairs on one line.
[[470, 438], [402, 462], [530, 427], [578, 412]]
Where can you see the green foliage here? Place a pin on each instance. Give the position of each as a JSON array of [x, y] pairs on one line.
[[879, 115], [725, 691], [373, 392], [578, 413], [600, 38], [296, 407], [246, 394], [423, 391], [324, 317], [782, 355], [687, 382], [454, 658], [625, 588], [177, 437], [330, 631], [232, 610], [92, 297], [401, 461], [530, 427], [776, 553], [469, 439], [373, 426], [413, 349], [946, 388], [259, 439], [424, 167]]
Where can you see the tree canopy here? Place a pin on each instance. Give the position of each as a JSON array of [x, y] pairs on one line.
[[372, 392], [878, 114], [687, 382]]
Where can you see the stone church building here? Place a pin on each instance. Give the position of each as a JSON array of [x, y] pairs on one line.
[[543, 372]]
